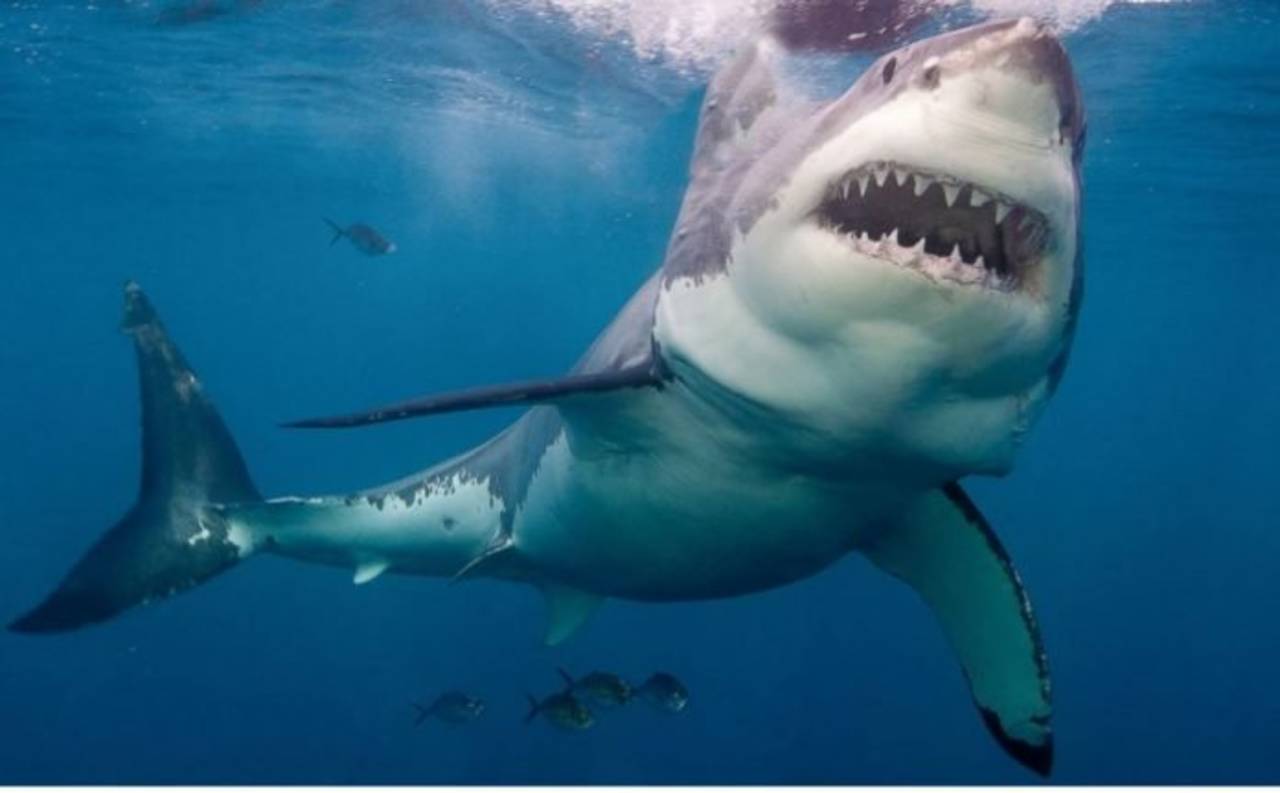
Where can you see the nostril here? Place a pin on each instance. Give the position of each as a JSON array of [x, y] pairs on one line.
[[889, 69]]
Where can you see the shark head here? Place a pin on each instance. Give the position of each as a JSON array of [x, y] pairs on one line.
[[898, 267]]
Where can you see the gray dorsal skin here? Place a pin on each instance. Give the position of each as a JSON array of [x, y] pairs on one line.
[[864, 300]]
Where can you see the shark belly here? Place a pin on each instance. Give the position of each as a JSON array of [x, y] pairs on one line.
[[687, 515]]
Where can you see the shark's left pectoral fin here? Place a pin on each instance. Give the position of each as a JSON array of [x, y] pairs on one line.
[[644, 374], [945, 550], [568, 609]]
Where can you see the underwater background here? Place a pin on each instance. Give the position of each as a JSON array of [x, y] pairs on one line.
[[528, 158]]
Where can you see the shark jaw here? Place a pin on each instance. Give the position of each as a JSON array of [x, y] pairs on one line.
[[949, 170], [962, 169], [907, 286]]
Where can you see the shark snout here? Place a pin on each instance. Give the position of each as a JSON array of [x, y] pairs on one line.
[[1025, 49], [1035, 51]]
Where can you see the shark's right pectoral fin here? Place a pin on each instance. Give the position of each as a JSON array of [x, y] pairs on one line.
[[945, 550]]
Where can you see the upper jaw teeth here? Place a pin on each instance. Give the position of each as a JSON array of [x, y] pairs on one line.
[[963, 200], [919, 184]]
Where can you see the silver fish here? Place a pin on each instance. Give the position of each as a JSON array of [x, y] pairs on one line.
[[365, 238], [451, 707]]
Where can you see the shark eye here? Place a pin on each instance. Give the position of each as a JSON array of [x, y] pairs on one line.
[[889, 69]]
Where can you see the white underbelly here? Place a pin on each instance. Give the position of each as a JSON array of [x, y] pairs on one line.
[[686, 523]]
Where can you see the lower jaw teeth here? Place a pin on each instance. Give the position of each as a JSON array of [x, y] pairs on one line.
[[950, 268]]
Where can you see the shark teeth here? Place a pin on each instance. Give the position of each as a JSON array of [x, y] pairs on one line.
[[891, 248], [896, 215]]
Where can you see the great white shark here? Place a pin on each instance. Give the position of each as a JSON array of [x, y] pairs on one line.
[[864, 300]]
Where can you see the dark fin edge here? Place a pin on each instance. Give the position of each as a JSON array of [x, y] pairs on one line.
[[338, 232], [1037, 758]]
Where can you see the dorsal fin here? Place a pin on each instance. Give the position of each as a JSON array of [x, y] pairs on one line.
[[737, 97]]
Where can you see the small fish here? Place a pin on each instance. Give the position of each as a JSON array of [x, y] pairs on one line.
[[665, 691], [602, 688], [366, 239], [451, 707], [563, 710]]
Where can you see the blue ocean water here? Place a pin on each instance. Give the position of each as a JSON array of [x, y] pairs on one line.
[[529, 159]]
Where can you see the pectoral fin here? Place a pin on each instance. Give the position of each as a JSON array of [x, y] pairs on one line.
[[945, 550], [367, 571], [646, 374], [568, 610]]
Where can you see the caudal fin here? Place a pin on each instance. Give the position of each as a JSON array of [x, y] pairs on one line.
[[534, 708], [169, 541], [568, 678], [422, 713], [338, 231]]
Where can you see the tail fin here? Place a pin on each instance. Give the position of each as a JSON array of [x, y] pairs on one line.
[[534, 708], [168, 541], [423, 713], [338, 231], [568, 678]]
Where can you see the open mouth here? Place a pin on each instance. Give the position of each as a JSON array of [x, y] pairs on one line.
[[942, 227]]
